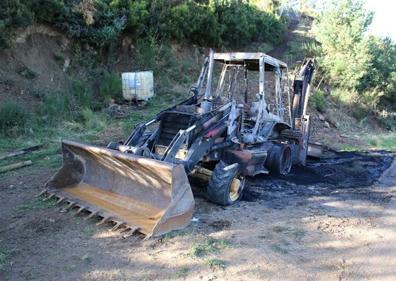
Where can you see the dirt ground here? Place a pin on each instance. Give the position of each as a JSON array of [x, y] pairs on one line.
[[333, 220]]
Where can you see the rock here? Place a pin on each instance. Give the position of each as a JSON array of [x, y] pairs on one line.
[[327, 124], [86, 258], [66, 64], [321, 117]]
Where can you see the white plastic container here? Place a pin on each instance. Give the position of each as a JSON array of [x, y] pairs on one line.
[[138, 85]]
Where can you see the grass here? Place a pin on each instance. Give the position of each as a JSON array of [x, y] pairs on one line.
[[111, 87], [280, 228], [209, 246], [13, 119], [298, 234], [208, 249], [92, 123], [280, 249], [36, 204], [168, 236], [216, 263], [90, 127], [90, 230], [379, 141], [3, 258], [295, 233], [182, 272], [385, 142], [318, 101], [348, 147], [266, 236]]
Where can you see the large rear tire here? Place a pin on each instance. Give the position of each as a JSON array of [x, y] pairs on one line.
[[226, 184], [279, 160]]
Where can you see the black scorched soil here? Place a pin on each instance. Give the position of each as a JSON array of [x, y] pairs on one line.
[[341, 171]]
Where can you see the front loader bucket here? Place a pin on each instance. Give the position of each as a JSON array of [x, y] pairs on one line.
[[142, 194]]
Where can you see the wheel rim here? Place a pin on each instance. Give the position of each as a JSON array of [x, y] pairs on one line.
[[236, 188], [286, 162]]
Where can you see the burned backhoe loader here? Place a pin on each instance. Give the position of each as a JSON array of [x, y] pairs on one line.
[[243, 125]]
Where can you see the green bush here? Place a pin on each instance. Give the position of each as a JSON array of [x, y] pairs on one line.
[[138, 16], [65, 105], [82, 94], [387, 119], [101, 22], [56, 106], [188, 21], [318, 101], [111, 88], [13, 119], [92, 121], [241, 23], [13, 13]]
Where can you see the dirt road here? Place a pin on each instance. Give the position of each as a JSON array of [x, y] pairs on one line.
[[335, 221]]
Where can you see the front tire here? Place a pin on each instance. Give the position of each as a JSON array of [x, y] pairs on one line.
[[226, 184]]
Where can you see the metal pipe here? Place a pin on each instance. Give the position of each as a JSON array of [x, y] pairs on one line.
[[263, 104], [208, 92], [219, 89], [288, 96]]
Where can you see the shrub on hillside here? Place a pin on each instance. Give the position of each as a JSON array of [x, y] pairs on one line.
[[241, 23], [188, 21], [13, 13], [81, 93], [318, 101], [65, 105], [13, 118], [111, 88], [56, 106], [387, 119], [100, 22]]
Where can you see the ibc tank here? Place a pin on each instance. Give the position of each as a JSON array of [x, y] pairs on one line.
[[137, 85]]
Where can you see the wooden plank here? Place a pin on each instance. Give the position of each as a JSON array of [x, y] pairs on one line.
[[20, 152], [14, 166]]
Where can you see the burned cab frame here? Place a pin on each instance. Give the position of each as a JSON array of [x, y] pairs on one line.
[[232, 126]]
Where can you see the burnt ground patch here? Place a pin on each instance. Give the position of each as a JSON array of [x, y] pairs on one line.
[[347, 174]]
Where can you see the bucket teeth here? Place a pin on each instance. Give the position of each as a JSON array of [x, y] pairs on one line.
[[91, 215], [49, 197], [82, 208], [117, 225], [71, 205], [104, 220], [130, 232], [42, 192], [60, 200]]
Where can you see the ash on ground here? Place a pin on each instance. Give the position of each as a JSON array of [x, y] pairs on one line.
[[348, 174]]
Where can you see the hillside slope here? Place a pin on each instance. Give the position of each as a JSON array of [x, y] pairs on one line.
[[44, 62]]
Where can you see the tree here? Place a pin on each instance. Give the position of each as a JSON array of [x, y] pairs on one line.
[[340, 30], [380, 78]]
